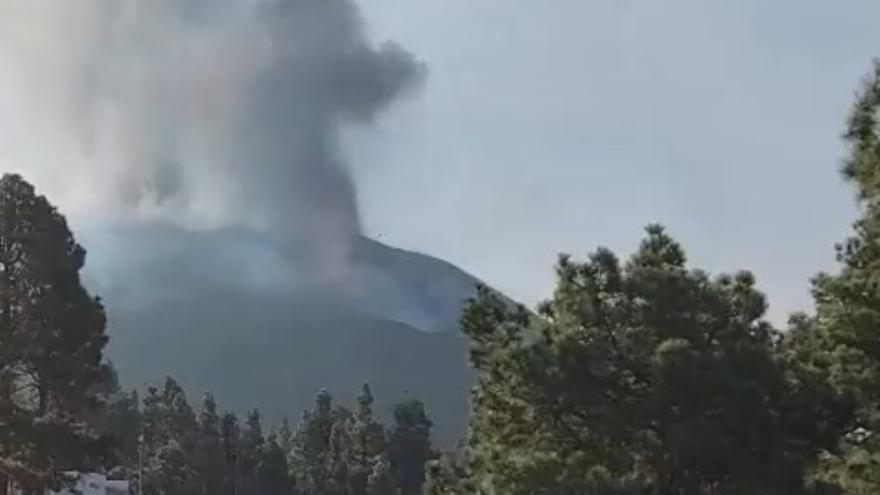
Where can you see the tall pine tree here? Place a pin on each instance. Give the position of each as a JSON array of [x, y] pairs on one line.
[[311, 455], [842, 341], [210, 460], [170, 439], [367, 444], [409, 445], [52, 379], [230, 433]]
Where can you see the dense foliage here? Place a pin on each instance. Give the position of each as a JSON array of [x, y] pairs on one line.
[[333, 451], [644, 377], [842, 340], [52, 379]]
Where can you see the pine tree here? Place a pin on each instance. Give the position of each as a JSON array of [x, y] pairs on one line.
[[339, 452], [210, 461], [647, 377], [285, 437], [380, 481], [272, 470], [120, 424], [250, 452], [409, 446], [367, 443], [51, 342], [170, 436], [124, 420], [333, 451], [842, 342], [311, 455], [229, 439], [339, 456], [442, 477]]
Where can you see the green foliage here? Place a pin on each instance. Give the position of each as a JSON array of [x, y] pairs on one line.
[[444, 477], [210, 460], [367, 445], [311, 461], [285, 436], [332, 452], [336, 451], [272, 473], [409, 445], [229, 435], [169, 442], [251, 448], [646, 377], [53, 385], [184, 453], [841, 343], [380, 481]]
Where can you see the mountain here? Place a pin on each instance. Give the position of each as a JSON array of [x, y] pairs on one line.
[[224, 312]]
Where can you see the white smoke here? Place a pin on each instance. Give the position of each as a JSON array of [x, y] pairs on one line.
[[199, 112]]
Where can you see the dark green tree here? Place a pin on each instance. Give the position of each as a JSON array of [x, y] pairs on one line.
[[339, 456], [123, 426], [311, 455], [445, 477], [367, 439], [52, 379], [842, 342], [339, 452], [230, 433], [285, 436], [380, 480], [170, 435], [409, 446], [120, 423], [647, 377], [333, 452], [210, 460], [250, 452], [273, 476]]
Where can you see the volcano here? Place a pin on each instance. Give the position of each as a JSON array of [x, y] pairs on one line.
[[223, 312]]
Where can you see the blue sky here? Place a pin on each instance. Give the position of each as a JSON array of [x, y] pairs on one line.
[[560, 126]]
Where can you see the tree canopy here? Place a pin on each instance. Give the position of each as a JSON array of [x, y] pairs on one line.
[[641, 377], [842, 340], [53, 381], [333, 451]]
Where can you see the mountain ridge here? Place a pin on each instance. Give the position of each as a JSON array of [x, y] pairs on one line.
[[392, 323]]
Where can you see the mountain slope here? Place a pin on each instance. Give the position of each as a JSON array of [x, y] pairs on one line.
[[197, 305], [256, 354]]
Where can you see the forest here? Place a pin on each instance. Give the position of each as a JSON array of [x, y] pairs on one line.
[[640, 375]]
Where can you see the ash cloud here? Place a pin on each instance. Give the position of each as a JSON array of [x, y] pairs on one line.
[[204, 138], [209, 113], [206, 135]]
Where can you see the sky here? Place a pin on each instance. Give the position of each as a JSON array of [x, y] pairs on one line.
[[493, 134], [549, 127]]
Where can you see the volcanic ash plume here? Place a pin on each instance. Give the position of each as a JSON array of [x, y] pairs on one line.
[[205, 112]]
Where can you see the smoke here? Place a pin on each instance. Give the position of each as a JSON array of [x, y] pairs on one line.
[[201, 139], [196, 146], [204, 113]]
